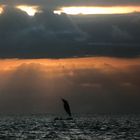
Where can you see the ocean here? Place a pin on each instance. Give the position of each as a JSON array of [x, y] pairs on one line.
[[82, 127]]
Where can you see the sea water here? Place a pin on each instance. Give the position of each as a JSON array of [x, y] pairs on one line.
[[82, 127]]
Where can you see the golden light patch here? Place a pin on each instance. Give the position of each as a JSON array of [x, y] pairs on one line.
[[30, 10], [1, 9], [98, 10]]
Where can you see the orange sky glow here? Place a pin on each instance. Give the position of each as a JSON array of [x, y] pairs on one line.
[[94, 80], [72, 63]]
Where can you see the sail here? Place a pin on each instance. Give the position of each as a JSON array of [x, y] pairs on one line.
[[66, 107]]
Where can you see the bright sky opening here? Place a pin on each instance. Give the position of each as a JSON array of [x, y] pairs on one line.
[[30, 10], [98, 10], [1, 9]]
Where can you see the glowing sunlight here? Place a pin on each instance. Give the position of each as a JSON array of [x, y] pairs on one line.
[[98, 10], [30, 10]]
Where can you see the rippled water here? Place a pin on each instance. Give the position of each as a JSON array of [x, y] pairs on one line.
[[96, 127]]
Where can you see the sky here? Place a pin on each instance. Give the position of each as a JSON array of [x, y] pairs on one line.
[[85, 51], [35, 29]]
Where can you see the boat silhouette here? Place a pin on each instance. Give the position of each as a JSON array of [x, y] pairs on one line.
[[66, 107], [67, 110]]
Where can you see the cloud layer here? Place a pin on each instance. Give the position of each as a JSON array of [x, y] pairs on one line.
[[55, 36], [57, 3]]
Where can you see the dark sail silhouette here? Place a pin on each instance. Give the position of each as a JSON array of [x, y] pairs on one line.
[[66, 106]]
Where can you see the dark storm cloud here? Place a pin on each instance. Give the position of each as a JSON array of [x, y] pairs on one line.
[[58, 3], [54, 36]]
